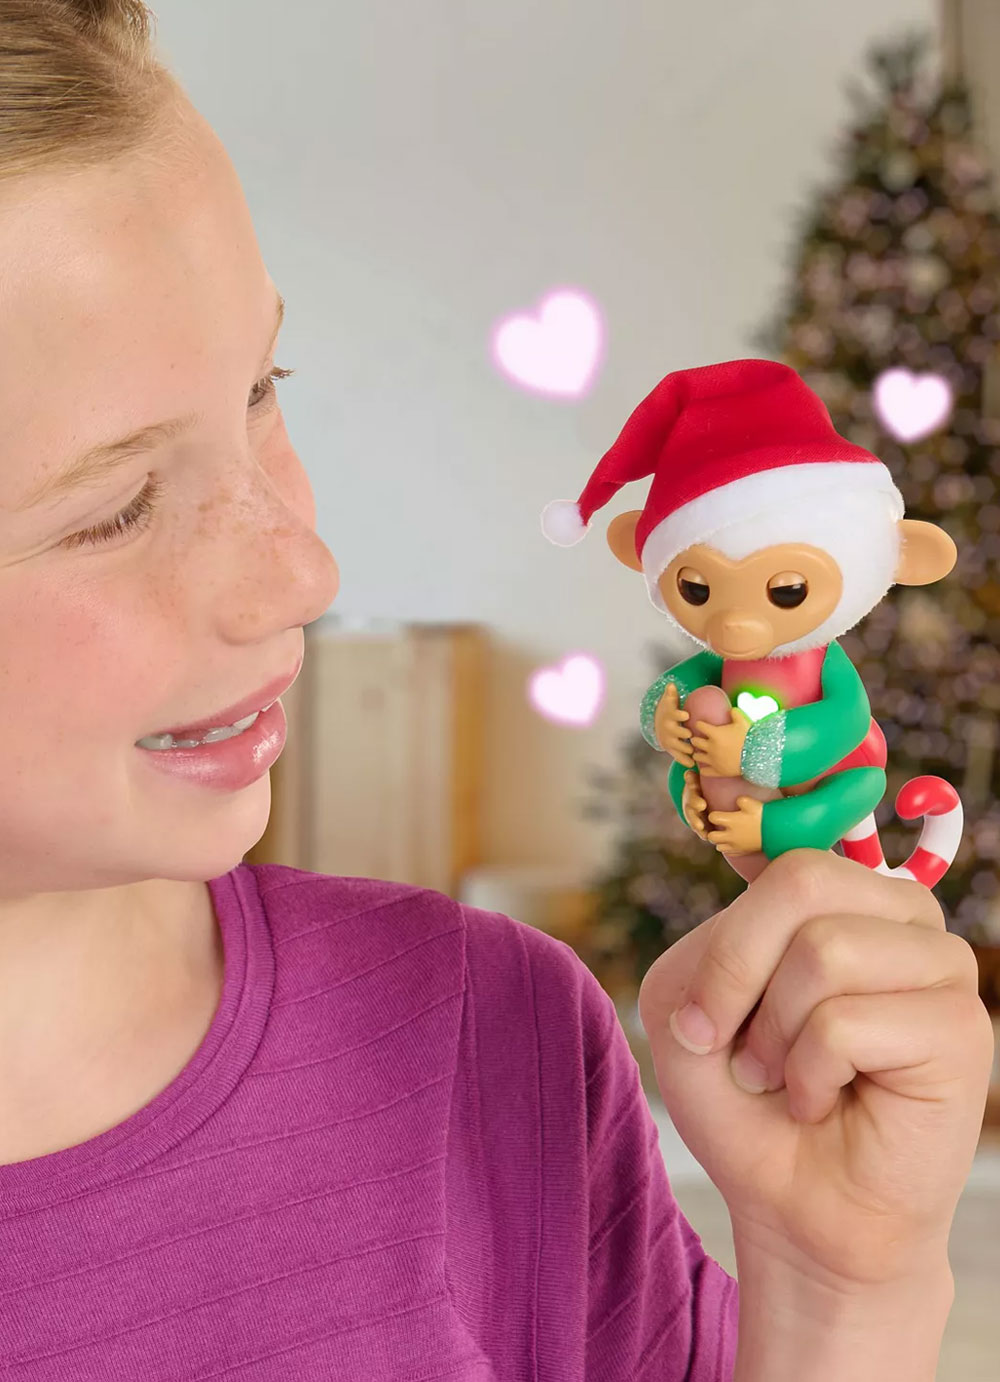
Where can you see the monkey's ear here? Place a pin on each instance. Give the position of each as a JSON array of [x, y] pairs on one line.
[[926, 553], [621, 538]]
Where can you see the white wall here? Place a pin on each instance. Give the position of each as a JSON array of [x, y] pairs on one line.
[[418, 170]]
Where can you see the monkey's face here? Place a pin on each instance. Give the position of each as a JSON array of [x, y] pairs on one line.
[[745, 609]]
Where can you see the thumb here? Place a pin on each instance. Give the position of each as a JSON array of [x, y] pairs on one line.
[[705, 1105], [666, 983]]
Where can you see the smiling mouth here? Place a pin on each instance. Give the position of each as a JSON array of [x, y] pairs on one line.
[[256, 703]]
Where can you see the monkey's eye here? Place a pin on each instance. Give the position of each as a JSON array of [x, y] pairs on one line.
[[787, 590], [693, 586]]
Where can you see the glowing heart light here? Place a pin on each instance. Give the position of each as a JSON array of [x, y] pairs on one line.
[[556, 351], [571, 693], [755, 707], [911, 406]]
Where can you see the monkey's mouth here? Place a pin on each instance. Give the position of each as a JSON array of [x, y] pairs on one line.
[[741, 654], [742, 637]]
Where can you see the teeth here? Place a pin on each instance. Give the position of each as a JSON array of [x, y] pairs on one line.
[[159, 742], [215, 736]]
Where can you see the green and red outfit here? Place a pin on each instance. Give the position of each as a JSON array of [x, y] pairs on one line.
[[821, 734]]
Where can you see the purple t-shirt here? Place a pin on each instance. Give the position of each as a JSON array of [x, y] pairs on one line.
[[413, 1145]]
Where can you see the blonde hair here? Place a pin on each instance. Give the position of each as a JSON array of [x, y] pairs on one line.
[[80, 84]]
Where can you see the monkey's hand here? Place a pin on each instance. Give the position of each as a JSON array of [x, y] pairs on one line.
[[694, 805], [718, 749], [739, 831], [669, 728]]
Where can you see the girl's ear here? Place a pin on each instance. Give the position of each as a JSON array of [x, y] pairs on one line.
[[621, 538], [926, 553]]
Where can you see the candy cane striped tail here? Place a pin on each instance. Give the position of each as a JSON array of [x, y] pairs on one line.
[[940, 805]]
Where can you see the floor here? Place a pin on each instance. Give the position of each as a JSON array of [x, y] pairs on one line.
[[971, 1347]]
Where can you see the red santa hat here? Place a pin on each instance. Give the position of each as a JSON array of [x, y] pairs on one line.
[[743, 455]]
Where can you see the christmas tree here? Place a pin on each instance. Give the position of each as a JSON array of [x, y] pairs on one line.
[[897, 266]]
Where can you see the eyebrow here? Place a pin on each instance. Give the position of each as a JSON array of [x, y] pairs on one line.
[[96, 465]]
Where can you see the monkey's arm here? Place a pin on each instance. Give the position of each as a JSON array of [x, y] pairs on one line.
[[792, 746], [704, 669]]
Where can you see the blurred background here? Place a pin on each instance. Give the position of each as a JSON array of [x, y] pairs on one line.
[[496, 228]]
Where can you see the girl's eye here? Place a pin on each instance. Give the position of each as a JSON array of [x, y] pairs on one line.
[[266, 385], [138, 513]]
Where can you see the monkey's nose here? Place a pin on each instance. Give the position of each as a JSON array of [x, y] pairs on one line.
[[736, 635]]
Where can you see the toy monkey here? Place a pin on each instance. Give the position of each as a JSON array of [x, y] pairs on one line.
[[765, 536]]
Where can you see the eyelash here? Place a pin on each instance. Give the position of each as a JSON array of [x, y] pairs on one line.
[[141, 509]]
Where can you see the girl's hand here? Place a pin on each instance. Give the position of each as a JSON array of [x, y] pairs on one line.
[[862, 1013]]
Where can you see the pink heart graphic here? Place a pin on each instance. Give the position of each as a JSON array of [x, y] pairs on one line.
[[558, 350], [912, 406], [571, 693]]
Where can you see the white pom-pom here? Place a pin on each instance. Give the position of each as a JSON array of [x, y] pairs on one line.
[[562, 522]]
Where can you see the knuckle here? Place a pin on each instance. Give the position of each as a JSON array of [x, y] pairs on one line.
[[983, 1031], [921, 901], [932, 907], [830, 1022], [969, 1027], [804, 874], [975, 1012], [822, 948], [964, 960]]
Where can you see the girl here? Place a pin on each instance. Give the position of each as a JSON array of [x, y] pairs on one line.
[[263, 1124]]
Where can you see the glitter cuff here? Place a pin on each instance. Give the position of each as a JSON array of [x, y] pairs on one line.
[[647, 711], [763, 749]]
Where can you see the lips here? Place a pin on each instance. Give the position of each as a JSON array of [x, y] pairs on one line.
[[257, 701]]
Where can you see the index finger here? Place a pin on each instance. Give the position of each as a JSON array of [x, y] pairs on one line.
[[749, 937]]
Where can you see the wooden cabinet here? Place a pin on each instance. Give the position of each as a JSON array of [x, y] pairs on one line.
[[382, 774]]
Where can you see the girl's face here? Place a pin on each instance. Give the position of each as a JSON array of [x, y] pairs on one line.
[[130, 296]]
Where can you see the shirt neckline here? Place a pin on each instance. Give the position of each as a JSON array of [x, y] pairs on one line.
[[205, 1082]]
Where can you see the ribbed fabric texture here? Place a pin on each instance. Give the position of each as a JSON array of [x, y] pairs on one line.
[[412, 1146]]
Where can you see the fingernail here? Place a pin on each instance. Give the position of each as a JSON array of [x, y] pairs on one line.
[[748, 1073], [693, 1028]]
